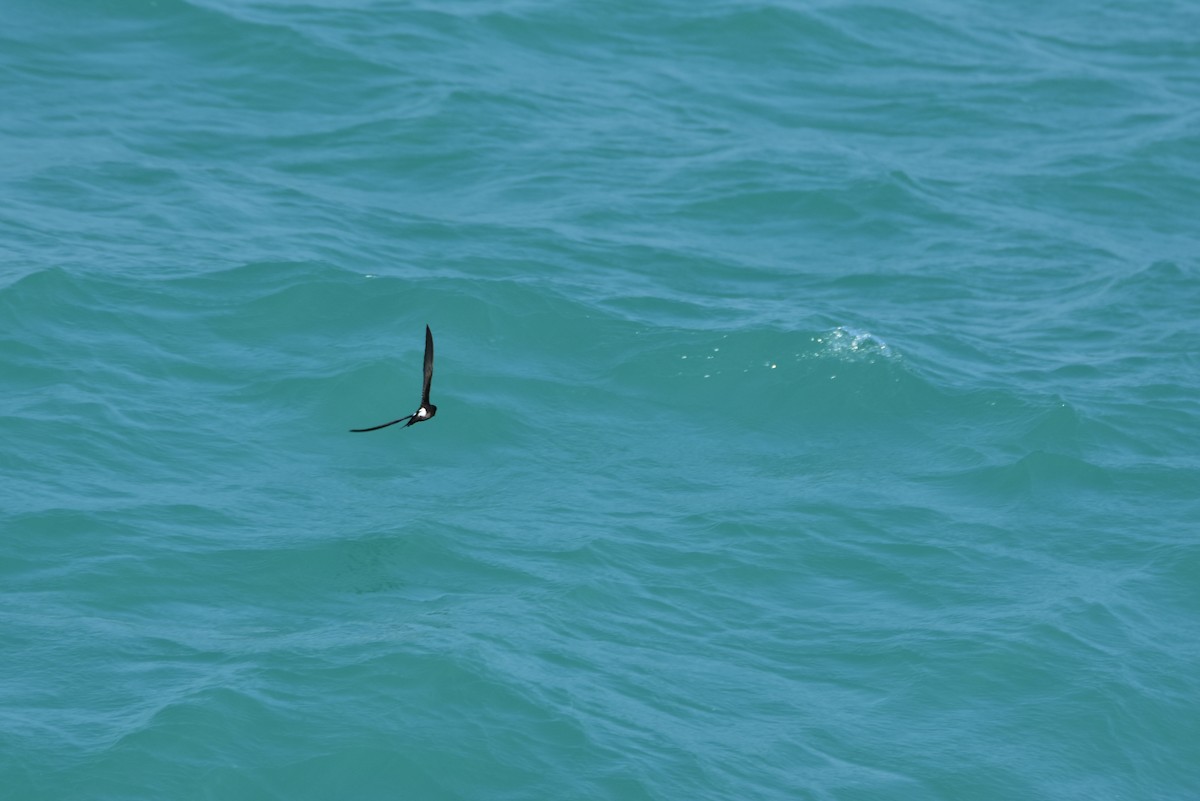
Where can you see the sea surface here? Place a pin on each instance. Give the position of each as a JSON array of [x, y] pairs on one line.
[[818, 394]]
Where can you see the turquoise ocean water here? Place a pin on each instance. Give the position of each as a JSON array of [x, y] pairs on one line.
[[818, 387]]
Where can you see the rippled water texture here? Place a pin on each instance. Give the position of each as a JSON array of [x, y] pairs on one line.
[[817, 400]]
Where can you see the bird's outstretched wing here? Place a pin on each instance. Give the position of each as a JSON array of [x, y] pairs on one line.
[[428, 366], [376, 428]]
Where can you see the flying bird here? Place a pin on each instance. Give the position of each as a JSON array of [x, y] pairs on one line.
[[426, 410]]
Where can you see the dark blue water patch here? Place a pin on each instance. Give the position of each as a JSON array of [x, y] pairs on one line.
[[1041, 475]]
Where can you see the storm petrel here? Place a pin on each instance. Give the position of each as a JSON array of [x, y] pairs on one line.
[[426, 409]]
